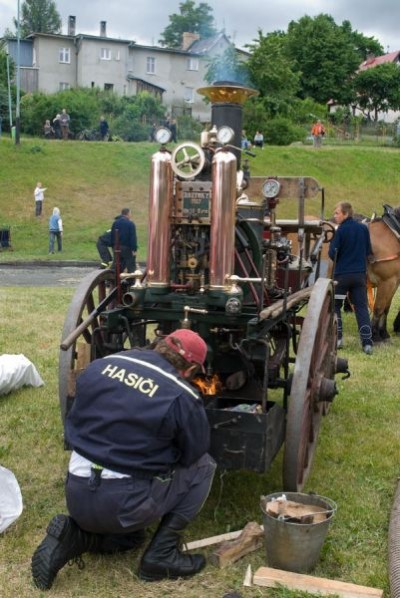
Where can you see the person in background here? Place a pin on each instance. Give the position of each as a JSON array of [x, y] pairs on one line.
[[55, 230], [172, 128], [123, 239], [39, 198], [104, 244], [139, 435], [259, 140], [103, 129], [48, 130], [64, 122], [350, 249], [57, 126], [245, 143], [318, 132]]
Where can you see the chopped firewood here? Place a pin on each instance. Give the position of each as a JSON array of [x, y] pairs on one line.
[[271, 578], [295, 512], [251, 538], [247, 582]]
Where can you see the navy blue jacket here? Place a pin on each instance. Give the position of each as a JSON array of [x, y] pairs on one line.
[[133, 412], [127, 233], [353, 246]]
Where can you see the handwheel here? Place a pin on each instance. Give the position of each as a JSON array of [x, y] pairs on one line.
[[187, 160], [312, 385], [94, 289], [329, 230]]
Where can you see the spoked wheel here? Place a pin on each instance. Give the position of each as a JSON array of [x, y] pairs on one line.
[[96, 288], [312, 385]]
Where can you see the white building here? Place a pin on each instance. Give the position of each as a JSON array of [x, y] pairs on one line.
[[52, 62]]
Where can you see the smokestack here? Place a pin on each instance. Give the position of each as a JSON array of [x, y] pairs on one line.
[[71, 25], [188, 38], [103, 28]]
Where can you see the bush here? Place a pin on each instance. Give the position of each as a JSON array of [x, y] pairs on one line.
[[281, 131]]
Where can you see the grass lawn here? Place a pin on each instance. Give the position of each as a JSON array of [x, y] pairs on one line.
[[91, 181], [357, 462]]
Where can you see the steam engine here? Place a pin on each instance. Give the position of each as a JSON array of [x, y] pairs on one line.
[[218, 263]]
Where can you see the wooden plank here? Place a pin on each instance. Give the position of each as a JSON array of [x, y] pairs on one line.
[[271, 578], [290, 187], [251, 538], [212, 540]]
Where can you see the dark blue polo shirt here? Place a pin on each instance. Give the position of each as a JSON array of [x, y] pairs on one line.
[[353, 245]]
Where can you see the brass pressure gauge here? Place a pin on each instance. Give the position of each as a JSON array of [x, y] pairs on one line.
[[225, 135], [271, 188], [163, 135]]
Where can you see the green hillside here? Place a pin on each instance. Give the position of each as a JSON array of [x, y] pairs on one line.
[[91, 182]]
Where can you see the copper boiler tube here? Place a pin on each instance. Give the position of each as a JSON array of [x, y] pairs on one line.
[[160, 202], [223, 211]]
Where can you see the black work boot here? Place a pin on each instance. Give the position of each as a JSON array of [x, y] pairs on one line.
[[64, 541], [163, 559]]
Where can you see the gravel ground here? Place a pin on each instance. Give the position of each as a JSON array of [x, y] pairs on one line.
[[42, 276]]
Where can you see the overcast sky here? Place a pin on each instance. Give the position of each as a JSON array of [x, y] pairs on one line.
[[144, 20]]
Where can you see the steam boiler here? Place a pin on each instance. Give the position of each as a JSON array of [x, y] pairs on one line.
[[221, 262]]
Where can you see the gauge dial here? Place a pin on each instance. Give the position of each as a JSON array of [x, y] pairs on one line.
[[225, 135], [271, 188], [163, 135]]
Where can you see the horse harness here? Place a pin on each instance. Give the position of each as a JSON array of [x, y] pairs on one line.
[[391, 219]]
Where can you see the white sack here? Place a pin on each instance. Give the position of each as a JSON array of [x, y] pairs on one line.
[[10, 499], [17, 371]]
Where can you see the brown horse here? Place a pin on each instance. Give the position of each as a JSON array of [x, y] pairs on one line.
[[384, 274]]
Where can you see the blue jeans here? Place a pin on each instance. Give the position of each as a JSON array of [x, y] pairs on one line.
[[53, 236], [355, 285]]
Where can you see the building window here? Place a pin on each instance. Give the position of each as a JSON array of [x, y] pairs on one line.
[[64, 86], [192, 64], [108, 86], [188, 95], [117, 55], [105, 54], [34, 57], [64, 55], [150, 65]]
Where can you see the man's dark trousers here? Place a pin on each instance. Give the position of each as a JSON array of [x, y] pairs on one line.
[[355, 285]]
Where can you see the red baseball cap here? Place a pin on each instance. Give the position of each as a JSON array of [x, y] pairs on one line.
[[188, 344]]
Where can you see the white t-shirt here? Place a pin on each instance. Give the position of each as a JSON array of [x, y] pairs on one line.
[[39, 193]]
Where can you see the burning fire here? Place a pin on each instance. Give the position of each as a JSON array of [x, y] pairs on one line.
[[208, 386]]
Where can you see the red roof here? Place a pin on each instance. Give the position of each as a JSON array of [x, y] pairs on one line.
[[373, 61]]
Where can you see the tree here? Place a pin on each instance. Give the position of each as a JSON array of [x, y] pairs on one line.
[[39, 16], [325, 56], [378, 89], [271, 68], [193, 19], [364, 45]]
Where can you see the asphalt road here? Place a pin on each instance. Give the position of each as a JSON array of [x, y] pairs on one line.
[[42, 276]]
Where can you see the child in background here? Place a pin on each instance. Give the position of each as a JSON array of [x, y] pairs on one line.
[[39, 198]]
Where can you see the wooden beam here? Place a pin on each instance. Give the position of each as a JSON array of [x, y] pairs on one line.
[[214, 540], [271, 578]]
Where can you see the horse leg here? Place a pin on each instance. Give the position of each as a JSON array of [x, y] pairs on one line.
[[384, 295], [396, 324]]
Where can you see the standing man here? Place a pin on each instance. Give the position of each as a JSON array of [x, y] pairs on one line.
[[318, 132], [64, 123], [39, 198], [123, 238], [103, 129], [140, 435], [349, 250]]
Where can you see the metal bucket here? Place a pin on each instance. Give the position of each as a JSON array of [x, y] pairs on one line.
[[295, 546]]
